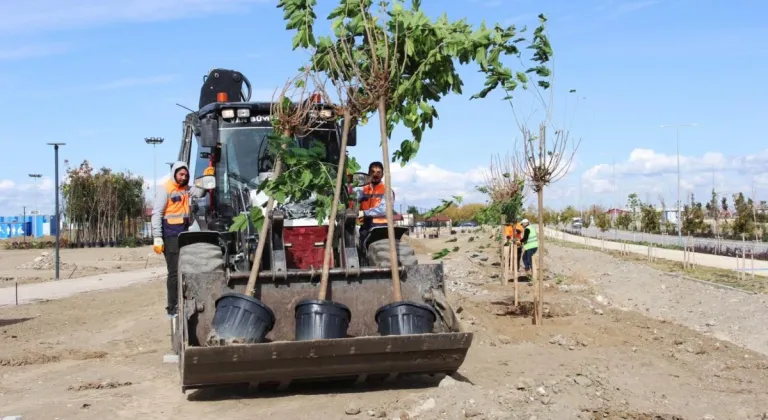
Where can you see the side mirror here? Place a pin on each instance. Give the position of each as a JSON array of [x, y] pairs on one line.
[[359, 178], [352, 136], [209, 132], [207, 182]]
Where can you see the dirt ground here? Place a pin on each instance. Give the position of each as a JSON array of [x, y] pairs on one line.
[[602, 352], [38, 265]]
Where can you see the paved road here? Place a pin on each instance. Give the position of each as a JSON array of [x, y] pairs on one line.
[[707, 260], [30, 293], [671, 239]]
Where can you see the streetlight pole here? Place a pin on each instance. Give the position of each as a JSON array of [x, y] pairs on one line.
[[154, 141], [35, 177], [56, 182], [615, 203], [677, 147]]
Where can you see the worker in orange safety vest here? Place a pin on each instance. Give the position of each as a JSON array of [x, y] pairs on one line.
[[373, 204], [171, 216]]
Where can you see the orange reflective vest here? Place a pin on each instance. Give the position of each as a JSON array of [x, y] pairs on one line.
[[508, 232], [176, 215], [372, 198], [518, 231]]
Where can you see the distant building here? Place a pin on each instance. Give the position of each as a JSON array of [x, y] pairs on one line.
[[439, 221], [36, 226], [616, 212], [668, 215]]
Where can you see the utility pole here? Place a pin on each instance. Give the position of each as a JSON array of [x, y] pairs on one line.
[[24, 222], [154, 141], [36, 211], [677, 146], [56, 182], [615, 203], [581, 210]]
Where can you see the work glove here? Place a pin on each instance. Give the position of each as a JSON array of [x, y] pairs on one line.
[[360, 214], [159, 246]]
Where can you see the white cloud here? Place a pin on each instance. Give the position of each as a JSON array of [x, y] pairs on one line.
[[43, 15], [649, 173], [14, 196], [425, 185], [6, 185]]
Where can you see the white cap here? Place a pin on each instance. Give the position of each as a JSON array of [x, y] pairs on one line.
[[525, 222]]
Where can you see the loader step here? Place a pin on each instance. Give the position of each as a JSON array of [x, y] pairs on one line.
[[358, 358]]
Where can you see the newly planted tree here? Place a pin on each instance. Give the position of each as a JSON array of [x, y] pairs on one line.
[[505, 186], [544, 164]]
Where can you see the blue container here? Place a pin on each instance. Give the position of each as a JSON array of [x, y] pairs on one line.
[[11, 230], [35, 225]]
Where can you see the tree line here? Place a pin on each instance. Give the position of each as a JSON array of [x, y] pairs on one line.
[[102, 208], [737, 219]]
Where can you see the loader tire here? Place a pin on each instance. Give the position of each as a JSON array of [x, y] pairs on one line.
[[200, 257], [378, 253]]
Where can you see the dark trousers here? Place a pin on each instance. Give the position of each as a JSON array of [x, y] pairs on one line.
[[171, 254], [528, 257], [519, 255]]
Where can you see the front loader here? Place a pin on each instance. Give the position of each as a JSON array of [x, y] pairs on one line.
[[214, 261]]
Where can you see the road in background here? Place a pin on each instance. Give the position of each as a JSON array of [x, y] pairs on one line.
[[722, 245]]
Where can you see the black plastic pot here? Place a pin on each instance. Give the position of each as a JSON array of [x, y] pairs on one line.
[[242, 319], [405, 317], [321, 319]]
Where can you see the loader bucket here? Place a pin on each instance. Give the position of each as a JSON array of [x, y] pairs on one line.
[[362, 355]]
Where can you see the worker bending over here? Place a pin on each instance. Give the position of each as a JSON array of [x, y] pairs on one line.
[[518, 238], [171, 216], [530, 241], [513, 233]]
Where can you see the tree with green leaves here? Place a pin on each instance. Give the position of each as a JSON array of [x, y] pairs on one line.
[[603, 222], [693, 218], [713, 211], [292, 118], [505, 187], [568, 214], [624, 220], [649, 218], [633, 202], [405, 61], [104, 207], [743, 224]]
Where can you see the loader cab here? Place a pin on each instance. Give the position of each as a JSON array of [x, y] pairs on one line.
[[233, 137]]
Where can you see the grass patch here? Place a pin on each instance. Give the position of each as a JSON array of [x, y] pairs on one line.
[[714, 275]]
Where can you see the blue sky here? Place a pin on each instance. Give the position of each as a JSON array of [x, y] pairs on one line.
[[102, 75]]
